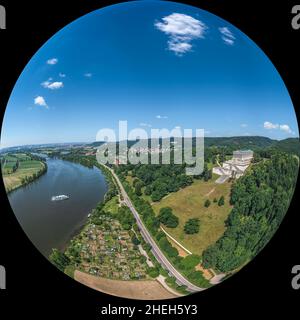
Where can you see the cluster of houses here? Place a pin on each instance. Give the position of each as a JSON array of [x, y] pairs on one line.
[[110, 253], [235, 167]]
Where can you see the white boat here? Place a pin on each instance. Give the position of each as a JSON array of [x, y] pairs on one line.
[[60, 197]]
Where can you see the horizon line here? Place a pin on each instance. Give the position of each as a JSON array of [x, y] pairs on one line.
[[90, 142]]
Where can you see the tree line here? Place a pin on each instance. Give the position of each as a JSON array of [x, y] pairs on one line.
[[260, 199]]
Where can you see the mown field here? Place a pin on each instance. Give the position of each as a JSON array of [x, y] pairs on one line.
[[139, 289], [189, 203], [27, 168]]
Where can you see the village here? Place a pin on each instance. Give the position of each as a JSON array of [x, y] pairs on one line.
[[106, 250]]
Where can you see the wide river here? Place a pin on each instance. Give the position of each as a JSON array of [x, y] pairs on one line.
[[51, 224]]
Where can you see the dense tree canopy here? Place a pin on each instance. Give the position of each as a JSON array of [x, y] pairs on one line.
[[192, 226], [159, 180], [260, 199], [167, 217]]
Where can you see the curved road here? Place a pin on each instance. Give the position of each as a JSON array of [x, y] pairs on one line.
[[180, 279]]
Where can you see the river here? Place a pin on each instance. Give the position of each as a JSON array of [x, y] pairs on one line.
[[51, 224]]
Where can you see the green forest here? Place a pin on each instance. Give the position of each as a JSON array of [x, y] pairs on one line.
[[260, 199]]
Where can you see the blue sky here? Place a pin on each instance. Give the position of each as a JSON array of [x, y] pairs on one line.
[[155, 64]]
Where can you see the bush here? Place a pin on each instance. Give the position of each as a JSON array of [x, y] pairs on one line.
[[167, 217], [190, 261], [160, 235], [135, 240], [221, 201], [167, 247], [207, 203], [197, 278], [192, 226], [153, 272]]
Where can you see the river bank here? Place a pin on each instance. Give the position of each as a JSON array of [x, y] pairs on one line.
[[19, 170], [51, 224]]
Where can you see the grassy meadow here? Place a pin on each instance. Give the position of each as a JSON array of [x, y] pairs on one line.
[[189, 203]]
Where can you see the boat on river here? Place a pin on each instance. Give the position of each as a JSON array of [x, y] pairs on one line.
[[59, 197]]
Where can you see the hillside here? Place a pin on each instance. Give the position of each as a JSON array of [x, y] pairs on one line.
[[290, 145], [248, 142]]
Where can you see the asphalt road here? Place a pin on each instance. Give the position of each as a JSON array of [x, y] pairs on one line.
[[180, 279]]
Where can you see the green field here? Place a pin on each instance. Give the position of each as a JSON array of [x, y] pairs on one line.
[[189, 203], [27, 168]]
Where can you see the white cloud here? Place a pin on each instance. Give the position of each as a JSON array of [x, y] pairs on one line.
[[179, 47], [244, 125], [181, 29], [228, 41], [52, 61], [88, 75], [52, 85], [286, 128], [161, 117], [227, 36], [269, 125], [62, 75], [40, 101], [283, 127], [144, 124]]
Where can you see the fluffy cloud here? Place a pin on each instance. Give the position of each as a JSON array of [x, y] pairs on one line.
[[40, 101], [161, 117], [52, 61], [283, 127], [181, 29], [52, 85], [88, 75], [286, 128], [227, 36], [269, 125]]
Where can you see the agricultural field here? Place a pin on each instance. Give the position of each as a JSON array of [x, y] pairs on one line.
[[135, 289], [19, 168], [188, 203]]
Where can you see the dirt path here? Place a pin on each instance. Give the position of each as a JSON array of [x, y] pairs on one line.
[[132, 289], [176, 242], [210, 192], [207, 273]]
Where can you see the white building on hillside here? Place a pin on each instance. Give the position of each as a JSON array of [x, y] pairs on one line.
[[235, 167]]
